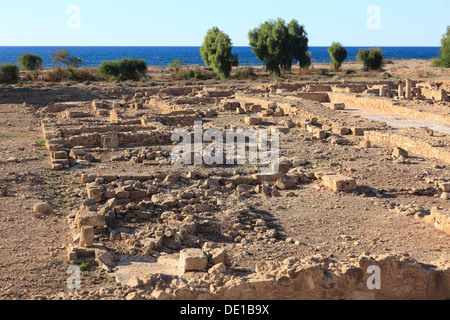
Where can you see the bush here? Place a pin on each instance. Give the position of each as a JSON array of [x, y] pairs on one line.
[[444, 60], [61, 74], [9, 73], [64, 57], [124, 69], [372, 59], [31, 62], [276, 45], [247, 73], [337, 54], [216, 53]]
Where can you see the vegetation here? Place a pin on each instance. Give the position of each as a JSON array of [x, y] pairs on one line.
[[216, 53], [186, 74], [124, 69], [176, 64], [64, 57], [61, 74], [31, 62], [444, 60], [338, 54], [9, 73], [247, 73], [372, 59], [276, 45]]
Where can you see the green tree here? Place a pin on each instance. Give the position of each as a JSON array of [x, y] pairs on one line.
[[216, 53], [444, 60], [276, 45], [124, 69], [372, 59], [9, 73], [64, 57], [31, 62], [338, 54]]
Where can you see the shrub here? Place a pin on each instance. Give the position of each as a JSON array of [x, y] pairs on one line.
[[176, 64], [9, 73], [124, 69], [64, 57], [216, 53], [372, 59], [31, 62], [247, 73], [276, 45], [444, 60], [337, 54], [61, 74]]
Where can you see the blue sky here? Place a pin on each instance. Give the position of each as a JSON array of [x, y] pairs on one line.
[[185, 22]]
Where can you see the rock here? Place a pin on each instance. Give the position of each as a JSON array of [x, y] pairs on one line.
[[43, 208], [87, 236], [339, 183], [445, 187], [399, 152], [338, 106], [445, 196], [89, 219], [12, 160], [3, 191], [218, 255], [94, 192], [218, 269], [365, 144], [270, 177], [134, 296], [192, 260], [285, 184], [238, 180], [172, 178], [135, 282], [201, 207], [251, 121]]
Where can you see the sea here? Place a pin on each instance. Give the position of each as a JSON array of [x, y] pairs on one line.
[[161, 56]]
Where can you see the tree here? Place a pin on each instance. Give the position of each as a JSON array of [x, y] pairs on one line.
[[372, 59], [124, 69], [444, 60], [337, 54], [276, 45], [216, 53], [9, 73], [31, 62], [64, 57]]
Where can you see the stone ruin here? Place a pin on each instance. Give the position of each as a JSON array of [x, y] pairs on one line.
[[136, 199]]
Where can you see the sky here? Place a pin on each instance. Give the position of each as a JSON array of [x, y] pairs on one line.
[[185, 22]]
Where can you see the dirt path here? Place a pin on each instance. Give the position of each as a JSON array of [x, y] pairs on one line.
[[32, 249]]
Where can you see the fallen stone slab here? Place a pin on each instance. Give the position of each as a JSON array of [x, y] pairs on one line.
[[338, 183]]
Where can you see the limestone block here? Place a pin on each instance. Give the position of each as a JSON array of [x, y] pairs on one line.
[[339, 183], [192, 260]]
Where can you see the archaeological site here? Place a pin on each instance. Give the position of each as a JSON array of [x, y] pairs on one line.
[[357, 208]]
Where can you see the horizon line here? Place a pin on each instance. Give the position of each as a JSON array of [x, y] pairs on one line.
[[192, 46]]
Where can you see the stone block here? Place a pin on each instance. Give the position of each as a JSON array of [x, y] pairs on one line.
[[339, 183], [87, 236], [192, 260], [338, 106], [110, 141]]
